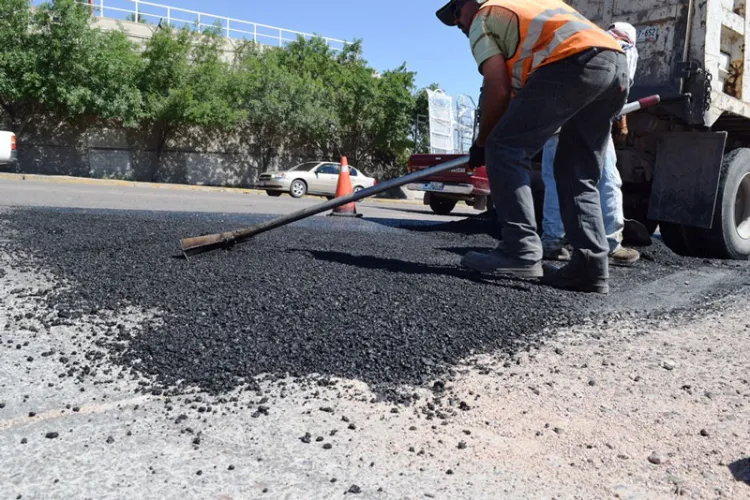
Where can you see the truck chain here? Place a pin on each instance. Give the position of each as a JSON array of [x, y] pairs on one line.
[[707, 91]]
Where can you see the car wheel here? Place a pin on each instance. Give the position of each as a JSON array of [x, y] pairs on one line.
[[442, 206], [298, 188], [275, 194]]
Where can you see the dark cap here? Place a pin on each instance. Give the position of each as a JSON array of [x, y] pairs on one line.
[[447, 13]]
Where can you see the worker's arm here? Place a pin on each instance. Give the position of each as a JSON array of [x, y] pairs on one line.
[[496, 95]]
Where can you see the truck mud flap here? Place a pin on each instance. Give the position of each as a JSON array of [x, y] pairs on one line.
[[686, 178]]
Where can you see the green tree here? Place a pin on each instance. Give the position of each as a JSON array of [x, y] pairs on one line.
[[351, 109], [185, 85], [306, 100], [19, 79], [141, 19], [55, 65]]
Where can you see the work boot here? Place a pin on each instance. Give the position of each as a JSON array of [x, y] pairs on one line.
[[622, 256], [497, 262], [570, 278], [559, 254]]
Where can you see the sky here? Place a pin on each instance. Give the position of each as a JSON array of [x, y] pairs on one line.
[[392, 32]]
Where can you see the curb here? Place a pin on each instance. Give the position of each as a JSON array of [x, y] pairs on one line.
[[64, 179]]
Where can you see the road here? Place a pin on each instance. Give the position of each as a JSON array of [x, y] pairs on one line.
[[94, 195], [349, 358]]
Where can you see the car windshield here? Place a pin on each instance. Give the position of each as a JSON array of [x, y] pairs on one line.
[[304, 167]]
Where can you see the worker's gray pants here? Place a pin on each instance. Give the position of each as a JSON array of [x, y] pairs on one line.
[[583, 97]]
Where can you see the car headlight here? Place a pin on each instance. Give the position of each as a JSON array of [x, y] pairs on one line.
[[278, 176]]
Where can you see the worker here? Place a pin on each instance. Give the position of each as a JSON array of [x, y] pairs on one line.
[[610, 185], [545, 67]]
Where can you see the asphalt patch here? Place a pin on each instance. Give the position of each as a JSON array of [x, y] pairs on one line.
[[378, 301]]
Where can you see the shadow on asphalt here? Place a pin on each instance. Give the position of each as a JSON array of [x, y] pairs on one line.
[[405, 267], [421, 211]]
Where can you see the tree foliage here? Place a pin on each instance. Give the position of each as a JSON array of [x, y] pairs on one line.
[[304, 101], [53, 64], [184, 84]]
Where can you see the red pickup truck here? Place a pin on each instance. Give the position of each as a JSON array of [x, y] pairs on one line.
[[442, 192]]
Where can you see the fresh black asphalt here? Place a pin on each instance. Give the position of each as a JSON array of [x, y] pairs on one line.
[[384, 302]]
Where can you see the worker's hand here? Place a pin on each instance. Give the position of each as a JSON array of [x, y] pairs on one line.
[[620, 136], [476, 156], [620, 131]]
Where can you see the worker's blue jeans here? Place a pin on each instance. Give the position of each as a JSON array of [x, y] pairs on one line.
[[610, 192], [580, 96]]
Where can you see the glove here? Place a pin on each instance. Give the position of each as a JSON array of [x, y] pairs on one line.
[[476, 156]]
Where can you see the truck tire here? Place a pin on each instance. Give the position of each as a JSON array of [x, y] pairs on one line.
[[729, 238], [442, 206]]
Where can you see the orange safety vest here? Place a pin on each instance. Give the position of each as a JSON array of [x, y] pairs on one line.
[[549, 30]]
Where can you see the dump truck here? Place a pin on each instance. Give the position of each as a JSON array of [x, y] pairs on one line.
[[686, 163]]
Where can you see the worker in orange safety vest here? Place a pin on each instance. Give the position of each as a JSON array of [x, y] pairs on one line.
[[545, 67]]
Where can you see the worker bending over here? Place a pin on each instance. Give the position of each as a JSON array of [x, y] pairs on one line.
[[610, 184], [545, 66]]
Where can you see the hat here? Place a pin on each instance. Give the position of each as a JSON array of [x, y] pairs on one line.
[[447, 13], [625, 28]]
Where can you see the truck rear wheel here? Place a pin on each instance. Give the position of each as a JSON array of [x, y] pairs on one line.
[[442, 206], [729, 238]]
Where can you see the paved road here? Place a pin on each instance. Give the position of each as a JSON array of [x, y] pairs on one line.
[[346, 355], [174, 198]]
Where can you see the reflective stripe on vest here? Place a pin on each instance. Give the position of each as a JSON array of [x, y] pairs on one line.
[[533, 27]]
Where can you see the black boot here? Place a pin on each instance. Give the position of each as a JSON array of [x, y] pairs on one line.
[[573, 277]]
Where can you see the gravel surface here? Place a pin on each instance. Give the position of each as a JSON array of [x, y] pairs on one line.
[[372, 361]]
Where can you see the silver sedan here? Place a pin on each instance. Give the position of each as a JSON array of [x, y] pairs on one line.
[[316, 178]]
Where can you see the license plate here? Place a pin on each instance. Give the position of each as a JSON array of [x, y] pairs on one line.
[[262, 183], [433, 186]]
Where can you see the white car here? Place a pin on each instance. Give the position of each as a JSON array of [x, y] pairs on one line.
[[8, 151], [315, 177]]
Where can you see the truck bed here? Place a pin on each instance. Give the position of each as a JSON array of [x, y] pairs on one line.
[[687, 46]]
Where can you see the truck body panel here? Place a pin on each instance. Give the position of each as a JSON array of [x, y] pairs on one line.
[[687, 45]]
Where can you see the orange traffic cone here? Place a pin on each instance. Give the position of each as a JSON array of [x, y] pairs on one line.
[[343, 188]]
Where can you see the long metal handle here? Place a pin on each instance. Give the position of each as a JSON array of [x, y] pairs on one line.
[[200, 244], [646, 102]]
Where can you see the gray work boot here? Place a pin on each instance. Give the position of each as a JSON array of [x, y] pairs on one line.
[[622, 256], [559, 254], [573, 278], [497, 262]]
